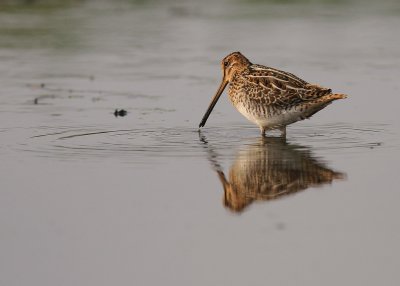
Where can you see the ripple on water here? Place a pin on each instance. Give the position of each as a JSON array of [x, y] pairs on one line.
[[142, 146], [348, 138]]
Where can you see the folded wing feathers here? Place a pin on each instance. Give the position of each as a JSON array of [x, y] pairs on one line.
[[281, 86]]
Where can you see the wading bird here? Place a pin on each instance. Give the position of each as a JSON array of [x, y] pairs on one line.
[[270, 98]]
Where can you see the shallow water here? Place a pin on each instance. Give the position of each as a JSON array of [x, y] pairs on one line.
[[89, 198]]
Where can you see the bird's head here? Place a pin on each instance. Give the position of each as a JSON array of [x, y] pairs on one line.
[[231, 65]]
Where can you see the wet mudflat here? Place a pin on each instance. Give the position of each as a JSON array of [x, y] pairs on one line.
[[90, 195]]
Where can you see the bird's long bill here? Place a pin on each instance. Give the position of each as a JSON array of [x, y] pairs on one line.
[[213, 102]]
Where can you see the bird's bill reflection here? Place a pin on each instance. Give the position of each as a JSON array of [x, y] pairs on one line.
[[267, 169], [232, 199]]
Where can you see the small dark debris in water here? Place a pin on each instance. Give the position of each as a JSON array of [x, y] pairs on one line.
[[35, 85], [43, 96], [121, 112], [373, 145]]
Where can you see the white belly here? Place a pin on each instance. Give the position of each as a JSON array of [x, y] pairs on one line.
[[266, 121]]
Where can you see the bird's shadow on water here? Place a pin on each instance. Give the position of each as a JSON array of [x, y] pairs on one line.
[[268, 168]]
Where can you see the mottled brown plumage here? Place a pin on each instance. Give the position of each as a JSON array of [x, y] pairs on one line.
[[270, 98]]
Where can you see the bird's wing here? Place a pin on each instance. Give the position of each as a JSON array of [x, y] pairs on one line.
[[281, 88]]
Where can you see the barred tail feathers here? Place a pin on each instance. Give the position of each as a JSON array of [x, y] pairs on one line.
[[335, 96]]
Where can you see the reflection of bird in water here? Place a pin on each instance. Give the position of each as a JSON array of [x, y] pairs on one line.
[[268, 169]]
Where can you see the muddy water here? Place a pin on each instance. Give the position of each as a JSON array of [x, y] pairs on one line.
[[90, 198]]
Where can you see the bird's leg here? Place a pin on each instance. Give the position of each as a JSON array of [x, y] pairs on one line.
[[263, 129], [283, 131]]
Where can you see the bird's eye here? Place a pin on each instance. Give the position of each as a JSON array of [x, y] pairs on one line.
[[226, 64]]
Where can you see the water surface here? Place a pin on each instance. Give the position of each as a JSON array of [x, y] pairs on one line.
[[88, 198]]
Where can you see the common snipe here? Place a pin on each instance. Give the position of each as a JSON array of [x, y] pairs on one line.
[[270, 98]]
